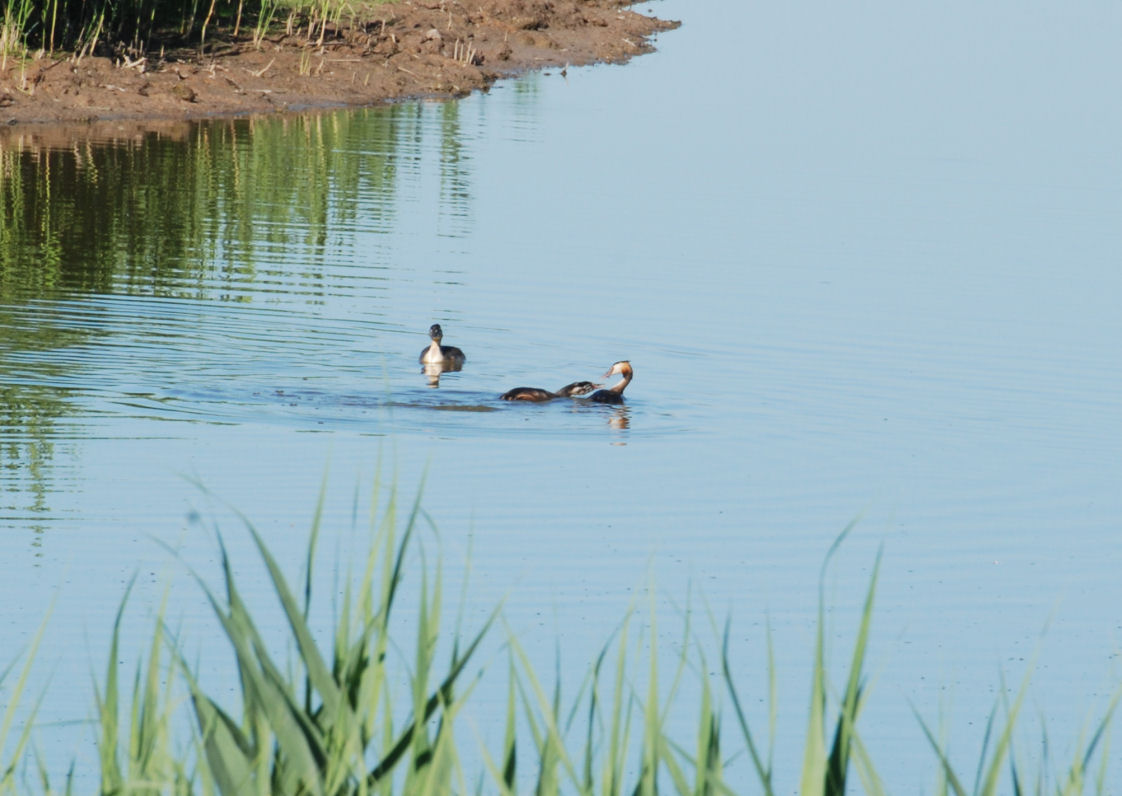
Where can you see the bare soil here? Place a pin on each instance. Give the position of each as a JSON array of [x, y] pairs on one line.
[[416, 48]]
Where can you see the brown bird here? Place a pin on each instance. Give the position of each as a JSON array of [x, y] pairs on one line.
[[614, 394], [537, 394]]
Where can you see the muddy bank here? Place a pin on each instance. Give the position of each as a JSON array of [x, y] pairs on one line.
[[400, 50]]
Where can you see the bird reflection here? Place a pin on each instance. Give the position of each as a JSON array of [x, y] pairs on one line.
[[432, 370], [620, 419]]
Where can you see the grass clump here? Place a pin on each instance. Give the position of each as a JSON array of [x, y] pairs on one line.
[[331, 727], [339, 718], [130, 29]]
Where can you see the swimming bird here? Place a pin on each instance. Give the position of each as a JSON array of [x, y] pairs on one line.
[[437, 354], [537, 394], [614, 394]]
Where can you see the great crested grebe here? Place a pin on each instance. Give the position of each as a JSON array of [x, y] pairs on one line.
[[614, 394], [437, 354], [539, 395]]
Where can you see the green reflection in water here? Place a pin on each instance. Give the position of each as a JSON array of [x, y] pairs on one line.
[[455, 182], [165, 210], [27, 448], [246, 210], [30, 414]]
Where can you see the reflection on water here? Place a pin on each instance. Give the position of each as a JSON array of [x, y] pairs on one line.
[[432, 371], [29, 417], [257, 271], [175, 220], [455, 183], [195, 210]]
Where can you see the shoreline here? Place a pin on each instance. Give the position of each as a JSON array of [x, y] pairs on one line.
[[392, 52]]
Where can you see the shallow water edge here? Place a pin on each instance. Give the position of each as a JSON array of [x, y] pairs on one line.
[[397, 52]]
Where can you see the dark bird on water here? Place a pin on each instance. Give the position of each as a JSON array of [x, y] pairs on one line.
[[437, 354], [538, 394], [614, 394]]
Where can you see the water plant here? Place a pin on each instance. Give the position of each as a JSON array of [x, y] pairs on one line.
[[13, 698], [83, 27], [342, 718], [331, 727], [13, 25], [266, 13]]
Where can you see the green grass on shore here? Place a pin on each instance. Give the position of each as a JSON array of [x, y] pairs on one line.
[[360, 715], [132, 29]]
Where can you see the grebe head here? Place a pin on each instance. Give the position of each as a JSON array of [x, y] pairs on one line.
[[577, 388], [435, 332], [621, 368]]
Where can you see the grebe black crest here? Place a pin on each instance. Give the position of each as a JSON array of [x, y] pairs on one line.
[[537, 394], [614, 394], [437, 354]]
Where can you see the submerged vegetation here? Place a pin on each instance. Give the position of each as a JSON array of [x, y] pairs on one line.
[[348, 720]]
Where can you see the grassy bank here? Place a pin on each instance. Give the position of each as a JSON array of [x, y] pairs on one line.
[[130, 29], [368, 713]]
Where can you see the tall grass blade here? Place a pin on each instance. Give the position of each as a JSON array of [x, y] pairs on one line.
[[230, 755], [149, 755], [816, 764], [763, 771], [108, 707], [1074, 780], [15, 697], [319, 674], [990, 782], [510, 740], [592, 718], [951, 779], [620, 734], [846, 729], [300, 750], [652, 725], [551, 746], [401, 745]]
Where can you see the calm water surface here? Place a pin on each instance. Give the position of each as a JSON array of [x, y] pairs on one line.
[[864, 262]]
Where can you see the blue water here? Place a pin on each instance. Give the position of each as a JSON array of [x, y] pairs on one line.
[[863, 260]]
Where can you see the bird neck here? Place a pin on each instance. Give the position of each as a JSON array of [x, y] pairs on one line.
[[434, 352]]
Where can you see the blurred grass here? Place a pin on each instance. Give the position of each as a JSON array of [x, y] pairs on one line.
[[333, 720]]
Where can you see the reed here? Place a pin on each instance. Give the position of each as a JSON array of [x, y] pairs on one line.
[[331, 726], [9, 765], [144, 753], [137, 27], [266, 13], [344, 719], [464, 52], [17, 15]]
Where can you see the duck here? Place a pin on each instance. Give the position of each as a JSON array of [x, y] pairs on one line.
[[437, 354], [614, 394], [539, 395]]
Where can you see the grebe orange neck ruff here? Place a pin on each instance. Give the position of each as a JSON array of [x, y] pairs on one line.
[[614, 394]]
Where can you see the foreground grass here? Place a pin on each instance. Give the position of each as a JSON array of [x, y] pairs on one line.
[[335, 721]]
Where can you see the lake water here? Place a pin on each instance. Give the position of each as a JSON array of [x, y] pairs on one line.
[[864, 261]]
